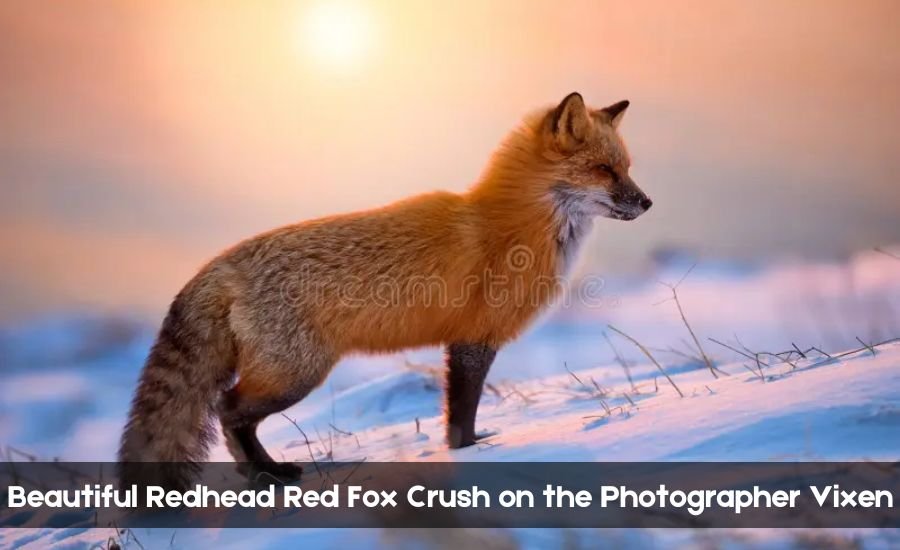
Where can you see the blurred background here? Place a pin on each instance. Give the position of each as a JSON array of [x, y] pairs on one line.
[[140, 138]]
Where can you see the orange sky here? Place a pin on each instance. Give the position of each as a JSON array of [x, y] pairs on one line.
[[139, 138]]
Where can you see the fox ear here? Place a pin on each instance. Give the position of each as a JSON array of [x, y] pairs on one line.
[[614, 113], [570, 123]]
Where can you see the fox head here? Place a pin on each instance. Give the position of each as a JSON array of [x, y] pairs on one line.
[[589, 162]]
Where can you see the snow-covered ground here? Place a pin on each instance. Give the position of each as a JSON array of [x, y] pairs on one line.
[[557, 394]]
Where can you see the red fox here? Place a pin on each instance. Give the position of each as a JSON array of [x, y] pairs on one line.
[[262, 324]]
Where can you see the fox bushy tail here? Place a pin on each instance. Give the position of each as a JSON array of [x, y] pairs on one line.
[[169, 428]]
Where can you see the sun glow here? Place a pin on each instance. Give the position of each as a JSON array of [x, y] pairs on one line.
[[338, 33]]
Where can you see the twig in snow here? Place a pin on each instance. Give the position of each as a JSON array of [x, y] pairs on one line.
[[516, 392], [852, 351], [605, 406], [340, 431], [493, 389], [734, 349], [329, 450], [600, 389], [752, 357], [674, 289], [649, 356], [787, 359], [868, 346], [573, 375], [679, 353], [621, 361], [308, 444], [817, 350]]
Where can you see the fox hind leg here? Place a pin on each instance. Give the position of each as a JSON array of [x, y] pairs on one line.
[[260, 392], [240, 412], [467, 368]]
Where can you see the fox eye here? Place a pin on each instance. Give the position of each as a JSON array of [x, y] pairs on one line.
[[608, 171]]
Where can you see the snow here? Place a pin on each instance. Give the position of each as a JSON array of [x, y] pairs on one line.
[[846, 409], [557, 394]]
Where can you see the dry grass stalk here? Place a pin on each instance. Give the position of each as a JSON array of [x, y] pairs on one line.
[[649, 356]]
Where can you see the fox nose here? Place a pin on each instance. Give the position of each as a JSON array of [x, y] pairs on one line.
[[646, 203]]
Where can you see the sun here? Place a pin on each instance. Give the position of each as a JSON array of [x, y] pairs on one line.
[[337, 34]]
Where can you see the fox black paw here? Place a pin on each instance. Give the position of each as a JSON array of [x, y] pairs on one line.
[[456, 439], [282, 471]]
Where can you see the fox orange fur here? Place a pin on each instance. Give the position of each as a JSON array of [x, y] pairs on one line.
[[262, 325]]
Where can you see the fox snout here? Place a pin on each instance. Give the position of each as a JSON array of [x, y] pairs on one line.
[[630, 204], [641, 202]]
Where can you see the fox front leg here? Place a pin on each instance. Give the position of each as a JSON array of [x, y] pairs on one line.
[[467, 367]]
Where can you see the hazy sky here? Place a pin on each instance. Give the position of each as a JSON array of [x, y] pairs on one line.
[[138, 139]]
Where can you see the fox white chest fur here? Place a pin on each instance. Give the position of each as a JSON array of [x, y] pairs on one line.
[[574, 223]]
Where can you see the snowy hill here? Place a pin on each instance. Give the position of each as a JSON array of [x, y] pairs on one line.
[[558, 394]]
